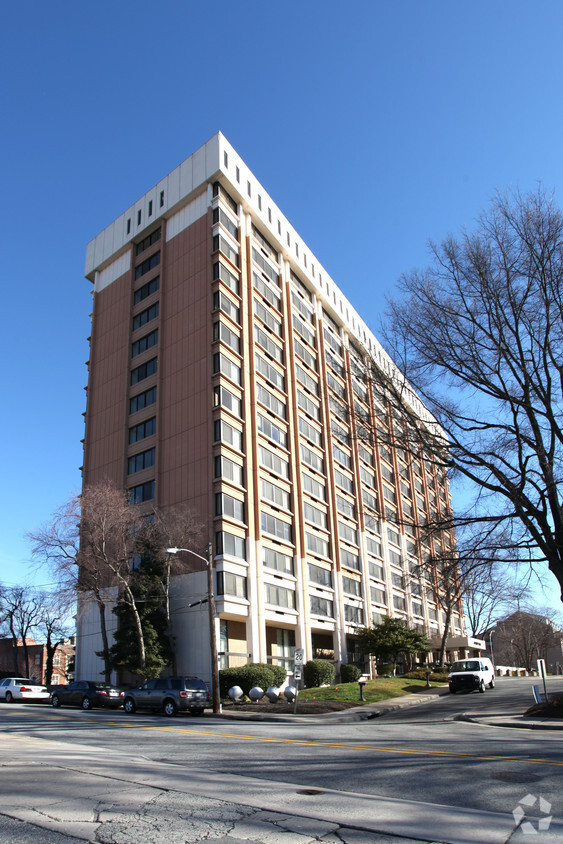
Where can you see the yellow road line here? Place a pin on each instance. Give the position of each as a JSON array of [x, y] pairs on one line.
[[334, 745]]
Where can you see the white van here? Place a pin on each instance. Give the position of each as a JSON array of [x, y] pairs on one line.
[[471, 674]]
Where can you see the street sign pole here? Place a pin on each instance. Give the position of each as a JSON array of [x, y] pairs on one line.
[[297, 669]]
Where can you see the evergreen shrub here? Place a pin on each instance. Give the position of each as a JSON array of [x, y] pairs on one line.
[[349, 672], [318, 672]]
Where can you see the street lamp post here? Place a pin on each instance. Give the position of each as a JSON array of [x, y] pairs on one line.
[[212, 632]]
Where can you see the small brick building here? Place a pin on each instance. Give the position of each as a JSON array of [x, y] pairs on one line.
[[63, 660]]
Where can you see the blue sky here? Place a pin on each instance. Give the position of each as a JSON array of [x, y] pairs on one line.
[[373, 125]]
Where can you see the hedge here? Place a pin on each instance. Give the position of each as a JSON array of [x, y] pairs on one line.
[[318, 672], [248, 676], [349, 672]]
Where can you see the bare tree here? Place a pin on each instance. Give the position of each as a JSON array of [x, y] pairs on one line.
[[53, 625], [479, 336], [20, 608], [98, 539], [57, 546], [523, 637], [176, 527]]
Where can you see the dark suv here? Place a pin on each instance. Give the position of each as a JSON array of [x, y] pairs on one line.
[[169, 695]]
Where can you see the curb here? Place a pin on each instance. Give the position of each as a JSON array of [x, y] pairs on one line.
[[510, 721], [354, 714]]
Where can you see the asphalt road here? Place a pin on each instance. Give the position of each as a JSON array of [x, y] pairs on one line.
[[422, 753]]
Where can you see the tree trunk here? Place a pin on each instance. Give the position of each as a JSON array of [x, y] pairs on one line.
[[104, 633], [445, 636], [138, 627]]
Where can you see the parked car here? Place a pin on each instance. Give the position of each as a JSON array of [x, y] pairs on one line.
[[21, 688], [87, 694], [169, 695], [471, 674]]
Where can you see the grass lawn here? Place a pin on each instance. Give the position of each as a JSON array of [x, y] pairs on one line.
[[380, 689]]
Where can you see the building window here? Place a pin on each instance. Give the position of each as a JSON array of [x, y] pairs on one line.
[[269, 372], [276, 560], [141, 461], [225, 304], [273, 493], [314, 515], [219, 216], [145, 316], [320, 576], [221, 332], [273, 462], [267, 317], [144, 370], [142, 400], [150, 207], [224, 398], [268, 270], [311, 459], [317, 545], [321, 606], [350, 560], [353, 615], [161, 198], [147, 265], [142, 492], [223, 364], [377, 595], [399, 603], [352, 587], [279, 597], [276, 527], [139, 217], [221, 272], [270, 401], [129, 225], [349, 534], [146, 342], [375, 571], [147, 241], [314, 487], [271, 431], [228, 543], [225, 468], [221, 244], [226, 505], [142, 430], [223, 432], [268, 344], [146, 290], [310, 432], [231, 584]]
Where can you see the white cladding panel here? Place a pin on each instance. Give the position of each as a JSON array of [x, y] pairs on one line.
[[187, 215], [114, 271]]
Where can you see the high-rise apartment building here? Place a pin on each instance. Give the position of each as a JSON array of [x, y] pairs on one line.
[[224, 373]]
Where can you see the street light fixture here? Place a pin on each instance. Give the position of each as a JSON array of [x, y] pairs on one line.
[[212, 633]]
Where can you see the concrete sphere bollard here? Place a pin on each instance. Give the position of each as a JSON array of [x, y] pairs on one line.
[[235, 693], [256, 693], [272, 694], [290, 693]]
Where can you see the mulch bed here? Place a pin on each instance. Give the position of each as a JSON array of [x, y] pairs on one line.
[[552, 708], [304, 707]]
